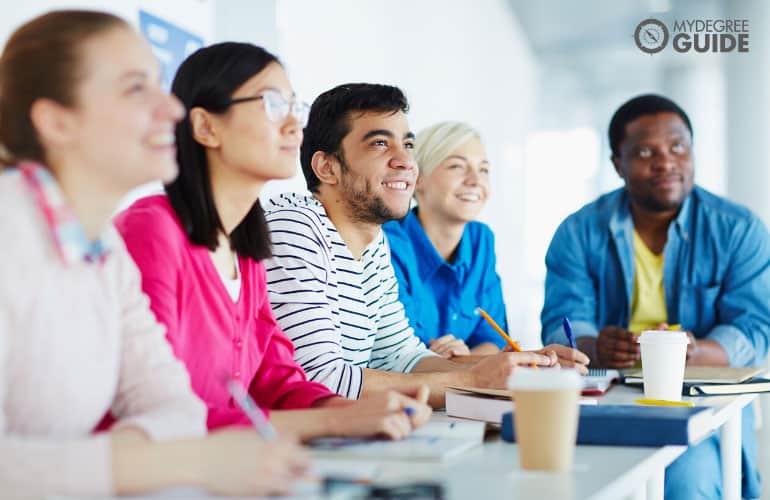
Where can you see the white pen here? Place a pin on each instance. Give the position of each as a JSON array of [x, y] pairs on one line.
[[252, 410]]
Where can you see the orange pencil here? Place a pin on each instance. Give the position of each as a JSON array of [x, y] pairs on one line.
[[502, 333]]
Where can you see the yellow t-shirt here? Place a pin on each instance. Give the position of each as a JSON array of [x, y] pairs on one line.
[[648, 304]]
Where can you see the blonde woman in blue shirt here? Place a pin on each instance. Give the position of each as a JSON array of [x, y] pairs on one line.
[[444, 259]]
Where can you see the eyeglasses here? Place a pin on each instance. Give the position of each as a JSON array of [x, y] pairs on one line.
[[277, 108]]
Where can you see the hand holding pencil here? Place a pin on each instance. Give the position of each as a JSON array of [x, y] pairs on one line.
[[558, 354], [511, 343]]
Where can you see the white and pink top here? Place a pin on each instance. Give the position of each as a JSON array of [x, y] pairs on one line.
[[77, 340]]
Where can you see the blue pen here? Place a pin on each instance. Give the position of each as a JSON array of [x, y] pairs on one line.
[[252, 410], [568, 332]]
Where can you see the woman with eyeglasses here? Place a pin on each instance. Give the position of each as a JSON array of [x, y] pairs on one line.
[[82, 121], [200, 247]]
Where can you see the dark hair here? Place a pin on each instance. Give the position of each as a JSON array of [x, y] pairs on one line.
[[42, 60], [647, 104], [207, 79], [330, 119]]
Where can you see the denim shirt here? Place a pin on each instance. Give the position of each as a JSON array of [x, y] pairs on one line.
[[716, 273], [441, 297]]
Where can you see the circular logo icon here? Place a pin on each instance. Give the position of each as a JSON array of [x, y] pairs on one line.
[[651, 36]]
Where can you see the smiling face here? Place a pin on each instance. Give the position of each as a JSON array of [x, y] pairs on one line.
[[655, 161], [122, 126], [377, 167], [457, 188], [249, 141]]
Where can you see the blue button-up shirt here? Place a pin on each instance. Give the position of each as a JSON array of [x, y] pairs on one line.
[[441, 297], [716, 277], [716, 273]]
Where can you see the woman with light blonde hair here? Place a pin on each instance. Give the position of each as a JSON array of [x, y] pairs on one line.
[[444, 258]]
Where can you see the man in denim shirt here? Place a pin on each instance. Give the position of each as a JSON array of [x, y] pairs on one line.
[[662, 251]]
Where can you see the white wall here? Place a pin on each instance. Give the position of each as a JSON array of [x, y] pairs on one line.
[[456, 60], [198, 18], [193, 15]]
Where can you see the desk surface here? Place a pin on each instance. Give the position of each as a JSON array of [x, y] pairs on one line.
[[492, 470], [599, 472]]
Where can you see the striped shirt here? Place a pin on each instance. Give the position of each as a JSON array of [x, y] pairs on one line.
[[342, 314]]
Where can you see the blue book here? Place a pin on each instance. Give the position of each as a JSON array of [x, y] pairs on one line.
[[635, 425]]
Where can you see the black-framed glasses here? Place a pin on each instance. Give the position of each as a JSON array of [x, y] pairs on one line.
[[277, 108]]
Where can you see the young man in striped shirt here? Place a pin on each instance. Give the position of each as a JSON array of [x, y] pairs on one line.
[[330, 279]]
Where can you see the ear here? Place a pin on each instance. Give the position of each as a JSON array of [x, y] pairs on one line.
[[54, 123], [326, 167], [203, 130], [616, 163]]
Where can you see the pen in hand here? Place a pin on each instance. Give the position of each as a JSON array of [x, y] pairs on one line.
[[252, 410], [568, 332]]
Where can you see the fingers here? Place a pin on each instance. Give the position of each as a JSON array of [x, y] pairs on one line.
[[437, 342], [453, 348], [617, 347], [423, 393], [410, 402], [619, 350], [396, 426], [287, 463], [532, 357], [296, 459], [568, 356], [448, 346]]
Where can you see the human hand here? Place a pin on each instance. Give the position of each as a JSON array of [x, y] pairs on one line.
[[239, 462], [568, 357], [448, 346], [392, 414], [493, 371], [617, 347]]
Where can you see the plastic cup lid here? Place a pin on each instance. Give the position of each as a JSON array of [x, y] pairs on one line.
[[663, 337], [544, 379]]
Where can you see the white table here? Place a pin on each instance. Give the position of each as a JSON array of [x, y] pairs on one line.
[[492, 470], [599, 472], [726, 418]]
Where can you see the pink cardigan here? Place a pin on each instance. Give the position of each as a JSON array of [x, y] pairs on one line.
[[215, 337]]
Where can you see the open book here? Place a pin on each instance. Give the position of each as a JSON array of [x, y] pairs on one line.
[[439, 439]]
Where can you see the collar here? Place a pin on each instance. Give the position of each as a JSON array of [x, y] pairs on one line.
[[621, 219], [67, 233], [429, 259]]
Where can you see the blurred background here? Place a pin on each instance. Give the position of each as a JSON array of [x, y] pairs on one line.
[[539, 80]]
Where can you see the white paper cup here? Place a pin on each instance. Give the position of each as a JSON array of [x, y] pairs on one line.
[[664, 354], [546, 416]]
